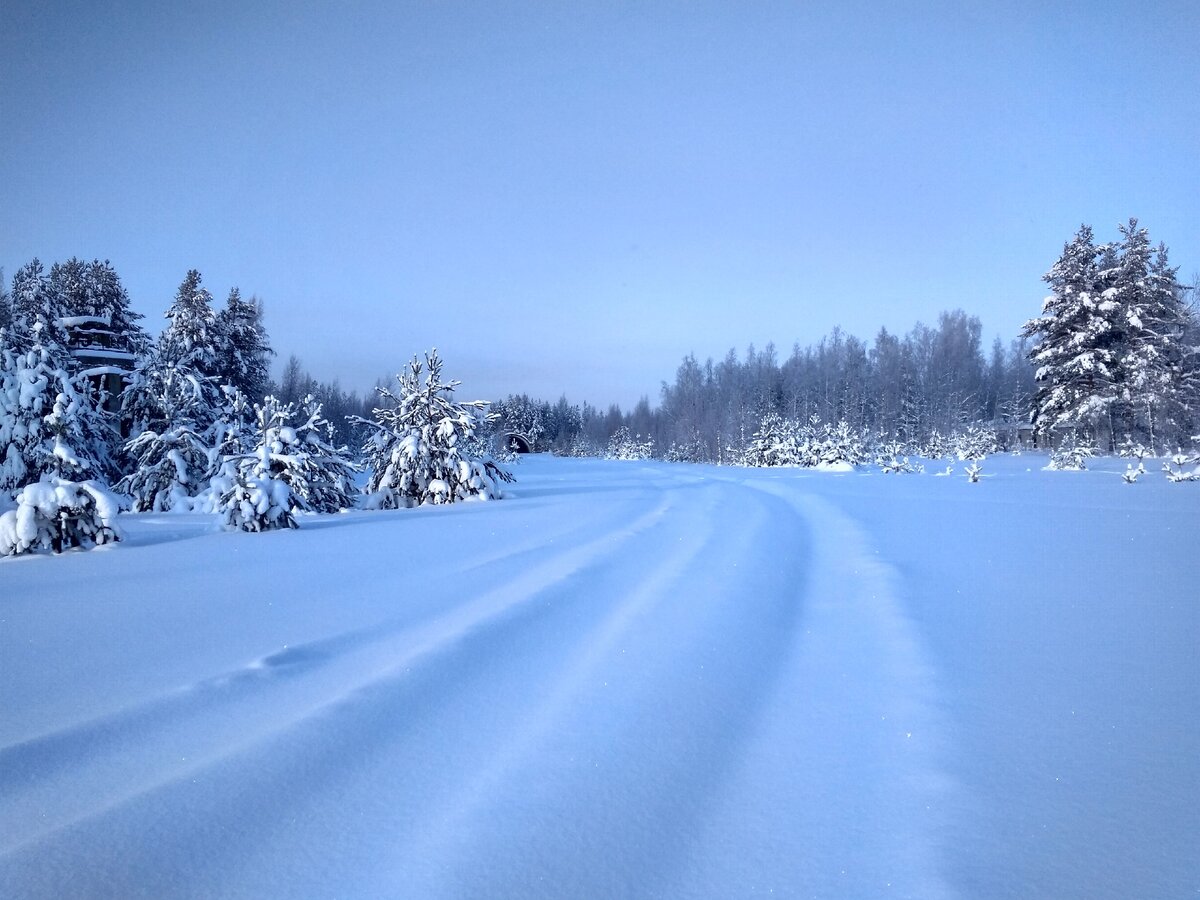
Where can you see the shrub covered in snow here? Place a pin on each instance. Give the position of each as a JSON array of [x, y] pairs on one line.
[[693, 451], [976, 443], [418, 448], [581, 446], [783, 442], [1071, 456], [1176, 471], [625, 445], [170, 469], [299, 451], [57, 514], [893, 460], [253, 502]]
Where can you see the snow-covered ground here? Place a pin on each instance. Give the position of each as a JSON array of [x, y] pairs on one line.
[[631, 679]]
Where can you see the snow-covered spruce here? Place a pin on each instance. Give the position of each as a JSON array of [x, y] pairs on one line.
[[1110, 345], [250, 502], [248, 493], [1070, 457], [48, 427], [783, 442], [893, 460], [56, 514], [417, 448], [976, 443], [1175, 471], [173, 450], [627, 446], [291, 468]]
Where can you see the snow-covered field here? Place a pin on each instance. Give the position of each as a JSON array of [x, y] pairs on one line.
[[630, 679]]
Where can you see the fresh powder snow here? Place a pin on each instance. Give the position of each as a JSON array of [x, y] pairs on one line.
[[628, 679]]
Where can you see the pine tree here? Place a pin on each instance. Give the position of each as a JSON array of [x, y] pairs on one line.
[[35, 310], [1077, 342], [293, 445], [5, 304], [173, 427], [417, 449], [192, 336], [107, 298], [48, 427], [243, 350], [1156, 363]]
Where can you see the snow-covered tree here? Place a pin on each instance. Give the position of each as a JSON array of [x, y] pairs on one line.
[[193, 334], [1110, 349], [5, 303], [626, 445], [174, 440], [294, 445], [57, 514], [893, 460], [1157, 365], [1071, 455], [417, 443], [48, 427], [253, 491], [1078, 342], [243, 350], [35, 309]]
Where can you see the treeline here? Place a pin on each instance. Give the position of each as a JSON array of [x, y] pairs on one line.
[[930, 380], [1113, 361]]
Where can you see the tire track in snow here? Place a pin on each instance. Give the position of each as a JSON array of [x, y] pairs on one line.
[[381, 753], [674, 679], [52, 781], [858, 717]]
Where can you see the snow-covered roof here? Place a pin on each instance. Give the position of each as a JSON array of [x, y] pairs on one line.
[[78, 321], [104, 370]]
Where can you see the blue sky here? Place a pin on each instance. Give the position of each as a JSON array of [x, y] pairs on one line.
[[570, 197]]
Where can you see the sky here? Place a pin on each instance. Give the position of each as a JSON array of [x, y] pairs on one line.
[[570, 197]]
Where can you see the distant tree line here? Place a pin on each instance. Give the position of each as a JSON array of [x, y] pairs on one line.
[[1112, 362], [907, 387]]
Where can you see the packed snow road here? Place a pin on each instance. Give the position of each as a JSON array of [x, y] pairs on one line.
[[629, 680]]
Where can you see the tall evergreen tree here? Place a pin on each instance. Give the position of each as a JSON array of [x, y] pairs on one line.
[[48, 427], [5, 303], [243, 350], [191, 338], [35, 310], [1156, 365], [1078, 337]]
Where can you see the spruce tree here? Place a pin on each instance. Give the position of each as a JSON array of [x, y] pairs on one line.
[[418, 444], [35, 309], [48, 427], [1077, 342], [172, 448], [243, 350], [192, 336], [5, 303], [1156, 364]]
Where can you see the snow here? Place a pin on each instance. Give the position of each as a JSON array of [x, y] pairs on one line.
[[627, 679]]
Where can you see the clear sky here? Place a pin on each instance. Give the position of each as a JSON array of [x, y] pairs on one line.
[[571, 196]]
